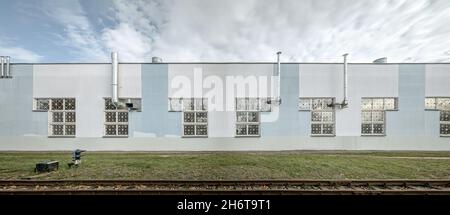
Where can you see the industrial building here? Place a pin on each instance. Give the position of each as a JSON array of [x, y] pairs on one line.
[[216, 106]]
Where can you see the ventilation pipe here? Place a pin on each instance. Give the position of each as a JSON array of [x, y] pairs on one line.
[[8, 71], [278, 94], [115, 77], [2, 67], [344, 102]]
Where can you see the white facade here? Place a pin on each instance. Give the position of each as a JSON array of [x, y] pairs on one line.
[[88, 84], [156, 128]]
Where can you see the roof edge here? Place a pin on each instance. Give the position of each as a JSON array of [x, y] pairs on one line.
[[43, 63]]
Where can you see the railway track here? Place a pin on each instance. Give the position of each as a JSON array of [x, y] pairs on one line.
[[239, 187]]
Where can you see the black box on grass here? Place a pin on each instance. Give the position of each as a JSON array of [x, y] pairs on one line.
[[47, 166]]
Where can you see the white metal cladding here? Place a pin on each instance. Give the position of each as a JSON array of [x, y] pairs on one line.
[[221, 123], [437, 80], [89, 84], [364, 80], [220, 71]]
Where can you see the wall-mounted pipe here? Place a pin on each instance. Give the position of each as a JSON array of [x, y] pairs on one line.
[[345, 102], [2, 67], [278, 98], [8, 71], [115, 77]]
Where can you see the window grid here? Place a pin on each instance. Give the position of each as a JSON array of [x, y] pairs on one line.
[[322, 115], [41, 104], [322, 123], [116, 120], [444, 123], [62, 117], [373, 122], [176, 104], [248, 123], [195, 117], [442, 104], [373, 115]]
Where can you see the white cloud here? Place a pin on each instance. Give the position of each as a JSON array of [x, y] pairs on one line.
[[253, 30], [131, 44], [79, 35], [19, 54]]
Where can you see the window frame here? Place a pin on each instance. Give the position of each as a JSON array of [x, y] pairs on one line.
[[64, 112], [441, 111], [373, 110], [116, 123], [194, 111], [247, 112], [441, 123], [35, 104], [322, 110]]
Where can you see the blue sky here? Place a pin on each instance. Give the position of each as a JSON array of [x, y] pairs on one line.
[[246, 30]]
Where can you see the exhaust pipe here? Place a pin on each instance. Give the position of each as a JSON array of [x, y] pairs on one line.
[[2, 67], [8, 71], [115, 77], [344, 102], [278, 95]]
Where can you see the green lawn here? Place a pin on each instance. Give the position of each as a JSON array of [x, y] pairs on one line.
[[268, 165]]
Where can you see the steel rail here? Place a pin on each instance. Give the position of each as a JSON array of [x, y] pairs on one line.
[[280, 187], [224, 192]]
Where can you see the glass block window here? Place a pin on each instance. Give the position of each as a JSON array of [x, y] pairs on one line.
[[442, 104], [309, 104], [445, 123], [322, 115], [373, 114], [62, 116], [248, 117], [265, 104], [262, 104], [437, 103], [175, 104], [116, 120], [195, 117], [41, 104]]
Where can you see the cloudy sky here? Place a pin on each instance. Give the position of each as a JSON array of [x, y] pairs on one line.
[[231, 30]]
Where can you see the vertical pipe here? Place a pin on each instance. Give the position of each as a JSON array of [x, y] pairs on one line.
[[115, 75], [8, 71], [279, 78], [2, 67], [344, 102]]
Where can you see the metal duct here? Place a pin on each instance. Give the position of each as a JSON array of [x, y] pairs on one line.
[[279, 78], [115, 77], [2, 67], [8, 71], [344, 102]]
